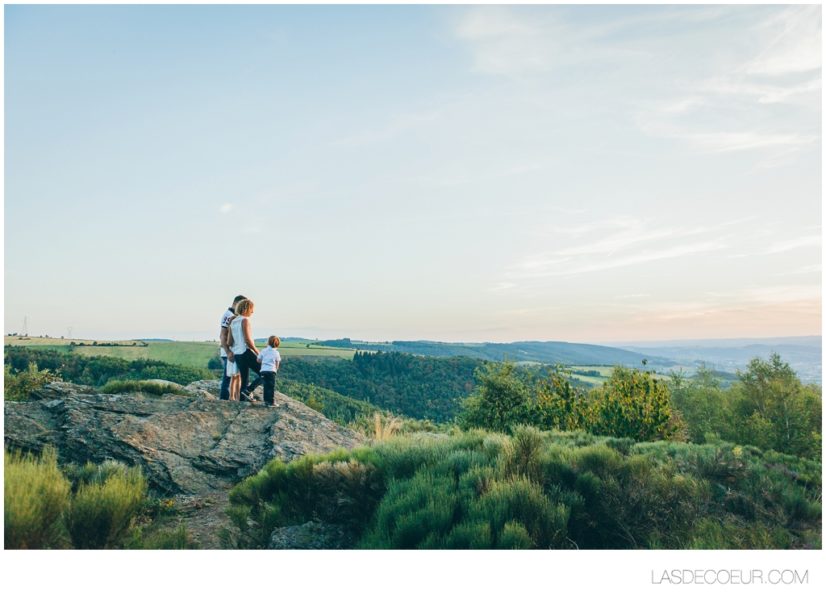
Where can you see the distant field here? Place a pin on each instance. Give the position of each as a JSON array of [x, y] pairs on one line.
[[580, 372], [186, 353]]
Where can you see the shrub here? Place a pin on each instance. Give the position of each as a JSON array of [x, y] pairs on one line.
[[521, 454], [35, 497], [470, 535], [20, 385], [414, 513], [145, 387], [515, 536], [101, 513], [522, 501], [539, 490], [333, 488]]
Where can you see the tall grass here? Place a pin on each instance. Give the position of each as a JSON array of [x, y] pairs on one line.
[[541, 490], [35, 497], [385, 428], [89, 506], [101, 513]]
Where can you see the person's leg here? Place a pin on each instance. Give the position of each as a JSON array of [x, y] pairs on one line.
[[243, 370], [224, 381], [256, 368], [269, 387], [235, 387], [248, 361], [251, 363]]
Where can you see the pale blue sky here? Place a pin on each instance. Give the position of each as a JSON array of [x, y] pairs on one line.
[[428, 172]]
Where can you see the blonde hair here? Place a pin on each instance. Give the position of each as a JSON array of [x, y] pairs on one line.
[[244, 307], [273, 341]]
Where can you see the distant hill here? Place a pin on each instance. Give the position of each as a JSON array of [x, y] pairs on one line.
[[545, 352], [804, 354]]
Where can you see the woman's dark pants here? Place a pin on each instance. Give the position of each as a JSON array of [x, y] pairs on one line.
[[245, 362]]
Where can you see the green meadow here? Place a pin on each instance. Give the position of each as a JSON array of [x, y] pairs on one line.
[[184, 353]]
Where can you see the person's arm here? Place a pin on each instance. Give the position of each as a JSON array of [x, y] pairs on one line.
[[248, 337], [230, 341], [226, 337], [277, 361]]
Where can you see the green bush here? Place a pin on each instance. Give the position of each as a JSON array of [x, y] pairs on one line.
[[101, 513], [20, 385], [35, 497], [145, 387], [520, 500], [415, 513], [521, 454], [539, 490]]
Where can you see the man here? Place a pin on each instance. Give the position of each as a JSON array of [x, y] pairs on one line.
[[226, 353]]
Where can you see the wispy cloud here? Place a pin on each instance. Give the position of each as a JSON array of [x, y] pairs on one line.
[[723, 141], [792, 43], [766, 246], [781, 246], [617, 243], [226, 208], [727, 109]]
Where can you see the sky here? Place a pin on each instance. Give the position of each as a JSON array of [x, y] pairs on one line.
[[453, 173]]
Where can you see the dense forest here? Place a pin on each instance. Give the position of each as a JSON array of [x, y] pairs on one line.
[[418, 387]]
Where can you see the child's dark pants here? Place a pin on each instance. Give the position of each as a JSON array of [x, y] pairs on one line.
[[269, 386]]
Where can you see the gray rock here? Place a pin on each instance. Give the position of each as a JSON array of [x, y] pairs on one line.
[[311, 535], [187, 444]]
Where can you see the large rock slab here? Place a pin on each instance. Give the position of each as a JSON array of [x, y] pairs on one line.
[[190, 443]]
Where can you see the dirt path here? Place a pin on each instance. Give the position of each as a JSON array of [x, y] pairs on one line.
[[206, 519]]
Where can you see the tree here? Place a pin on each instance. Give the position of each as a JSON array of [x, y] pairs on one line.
[[702, 403], [501, 401], [560, 404], [632, 404], [773, 409]]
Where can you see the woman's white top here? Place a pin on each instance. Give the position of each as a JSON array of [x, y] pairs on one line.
[[239, 345]]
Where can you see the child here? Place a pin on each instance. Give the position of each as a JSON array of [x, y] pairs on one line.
[[270, 360]]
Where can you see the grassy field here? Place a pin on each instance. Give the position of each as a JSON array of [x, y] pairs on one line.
[[185, 353], [604, 374]]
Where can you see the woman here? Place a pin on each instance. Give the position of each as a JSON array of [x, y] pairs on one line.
[[243, 348]]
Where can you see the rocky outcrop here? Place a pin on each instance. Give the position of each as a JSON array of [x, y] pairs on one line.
[[311, 535], [187, 444]]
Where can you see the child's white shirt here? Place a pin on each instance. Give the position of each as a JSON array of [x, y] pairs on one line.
[[269, 358]]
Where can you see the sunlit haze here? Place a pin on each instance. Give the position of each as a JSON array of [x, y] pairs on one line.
[[454, 173]]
